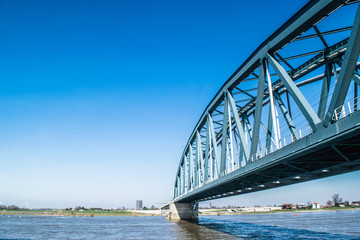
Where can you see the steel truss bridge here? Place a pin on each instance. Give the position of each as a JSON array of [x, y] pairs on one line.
[[289, 114]]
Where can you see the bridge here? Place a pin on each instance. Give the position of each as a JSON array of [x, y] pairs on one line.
[[288, 114]]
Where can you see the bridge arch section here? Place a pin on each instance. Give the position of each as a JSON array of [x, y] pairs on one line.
[[288, 114]]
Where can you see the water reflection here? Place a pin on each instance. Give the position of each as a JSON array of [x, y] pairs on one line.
[[310, 225], [193, 230]]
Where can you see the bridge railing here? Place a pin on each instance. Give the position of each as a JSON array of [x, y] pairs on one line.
[[339, 113], [300, 133], [346, 109]]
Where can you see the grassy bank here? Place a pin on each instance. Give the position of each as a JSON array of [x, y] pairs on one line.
[[72, 213], [225, 212]]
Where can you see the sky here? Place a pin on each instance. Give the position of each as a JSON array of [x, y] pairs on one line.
[[98, 98]]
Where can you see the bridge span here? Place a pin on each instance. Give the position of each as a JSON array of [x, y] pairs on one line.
[[289, 113]]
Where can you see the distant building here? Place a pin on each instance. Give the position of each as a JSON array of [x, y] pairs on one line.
[[139, 204], [315, 205], [340, 204], [287, 206], [355, 203], [300, 206]]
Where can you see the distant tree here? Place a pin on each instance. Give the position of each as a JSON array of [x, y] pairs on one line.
[[329, 203], [13, 207], [346, 203], [308, 205], [152, 207], [336, 199], [145, 208]]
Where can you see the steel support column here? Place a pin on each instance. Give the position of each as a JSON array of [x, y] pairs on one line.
[[325, 91]]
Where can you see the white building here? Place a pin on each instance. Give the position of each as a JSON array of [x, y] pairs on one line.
[[315, 205]]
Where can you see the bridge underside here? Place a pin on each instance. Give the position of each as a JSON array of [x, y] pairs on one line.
[[331, 151]]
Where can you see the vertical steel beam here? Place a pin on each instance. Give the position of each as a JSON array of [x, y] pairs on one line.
[[178, 186], [295, 93], [188, 174], [200, 157], [269, 131], [196, 180], [183, 178], [287, 117], [207, 151], [215, 148], [224, 139], [197, 157], [347, 69], [325, 91], [231, 152], [239, 126]]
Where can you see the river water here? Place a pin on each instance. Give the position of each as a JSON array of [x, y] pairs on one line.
[[307, 225]]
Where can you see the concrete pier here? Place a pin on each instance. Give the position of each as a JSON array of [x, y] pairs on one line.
[[182, 211]]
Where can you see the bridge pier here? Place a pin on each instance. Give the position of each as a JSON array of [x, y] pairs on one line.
[[183, 211]]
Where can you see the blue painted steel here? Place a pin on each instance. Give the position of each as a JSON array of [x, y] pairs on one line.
[[273, 155]]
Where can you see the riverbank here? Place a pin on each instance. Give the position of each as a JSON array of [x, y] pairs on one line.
[[68, 213], [231, 212], [141, 213]]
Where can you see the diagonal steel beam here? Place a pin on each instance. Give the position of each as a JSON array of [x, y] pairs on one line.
[[188, 173], [287, 117], [340, 153], [284, 61], [295, 93], [347, 69], [258, 110], [320, 36], [239, 126], [214, 144]]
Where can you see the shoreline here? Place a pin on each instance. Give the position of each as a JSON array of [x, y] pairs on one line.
[[225, 212], [65, 213], [216, 212]]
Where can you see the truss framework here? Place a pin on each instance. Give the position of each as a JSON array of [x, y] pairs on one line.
[[283, 92]]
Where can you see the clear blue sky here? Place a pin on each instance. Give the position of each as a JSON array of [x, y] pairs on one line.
[[98, 98]]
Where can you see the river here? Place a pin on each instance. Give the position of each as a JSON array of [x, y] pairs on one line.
[[305, 225]]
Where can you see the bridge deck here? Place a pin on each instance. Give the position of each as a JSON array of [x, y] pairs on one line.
[[328, 152]]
